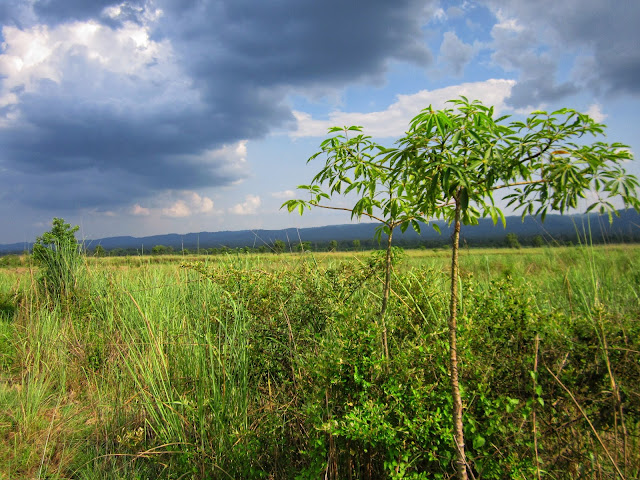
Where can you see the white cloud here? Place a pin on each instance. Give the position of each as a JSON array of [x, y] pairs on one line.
[[507, 23], [86, 57], [595, 113], [230, 159], [138, 210], [248, 207], [189, 203], [284, 195], [439, 15], [201, 204], [178, 209], [181, 204], [455, 53], [394, 121]]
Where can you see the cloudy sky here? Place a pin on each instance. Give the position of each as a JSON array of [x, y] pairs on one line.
[[173, 116]]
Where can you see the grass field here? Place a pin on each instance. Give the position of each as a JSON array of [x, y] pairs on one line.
[[271, 366]]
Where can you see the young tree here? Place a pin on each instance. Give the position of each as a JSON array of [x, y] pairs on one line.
[[458, 158], [356, 164]]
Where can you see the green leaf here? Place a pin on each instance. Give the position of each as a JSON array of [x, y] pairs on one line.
[[478, 442], [475, 136], [464, 199], [504, 220], [494, 216], [456, 139], [487, 154]]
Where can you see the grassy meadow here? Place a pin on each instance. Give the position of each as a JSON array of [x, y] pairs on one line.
[[271, 366]]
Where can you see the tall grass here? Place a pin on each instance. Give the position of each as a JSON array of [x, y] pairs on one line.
[[272, 367]]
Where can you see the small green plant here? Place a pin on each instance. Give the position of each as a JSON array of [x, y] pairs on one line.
[[57, 253]]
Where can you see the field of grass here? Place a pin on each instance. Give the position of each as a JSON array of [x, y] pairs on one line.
[[272, 367]]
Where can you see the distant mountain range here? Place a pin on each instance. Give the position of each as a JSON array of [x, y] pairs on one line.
[[625, 228]]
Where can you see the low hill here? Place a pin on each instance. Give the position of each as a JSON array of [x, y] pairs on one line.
[[625, 228]]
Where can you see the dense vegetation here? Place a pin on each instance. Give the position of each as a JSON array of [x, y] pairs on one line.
[[246, 366]]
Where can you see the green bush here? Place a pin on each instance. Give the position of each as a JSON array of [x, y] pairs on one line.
[[57, 253]]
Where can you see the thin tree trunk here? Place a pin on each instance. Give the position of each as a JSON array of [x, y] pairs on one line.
[[385, 294], [458, 433]]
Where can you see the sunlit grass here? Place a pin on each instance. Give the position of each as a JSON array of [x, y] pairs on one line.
[[150, 370]]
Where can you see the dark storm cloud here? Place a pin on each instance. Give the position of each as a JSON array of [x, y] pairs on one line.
[[294, 42], [603, 32], [90, 157], [109, 138]]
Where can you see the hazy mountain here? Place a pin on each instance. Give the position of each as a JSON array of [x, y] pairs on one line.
[[625, 228]]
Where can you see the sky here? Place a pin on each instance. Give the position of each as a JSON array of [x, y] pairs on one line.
[[149, 117]]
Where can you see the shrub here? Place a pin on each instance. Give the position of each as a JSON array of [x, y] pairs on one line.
[[57, 254]]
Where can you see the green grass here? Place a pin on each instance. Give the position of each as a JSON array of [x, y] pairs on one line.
[[270, 366]]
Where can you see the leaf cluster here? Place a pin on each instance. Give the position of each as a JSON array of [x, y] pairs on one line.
[[460, 157], [360, 166], [62, 236]]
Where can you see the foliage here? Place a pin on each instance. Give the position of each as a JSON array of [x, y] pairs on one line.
[[511, 240], [161, 250], [303, 247], [354, 164], [11, 261], [463, 156], [538, 241], [271, 367], [61, 236], [279, 246], [57, 254]]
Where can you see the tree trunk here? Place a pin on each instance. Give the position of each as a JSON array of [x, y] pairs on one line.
[[458, 433], [385, 295]]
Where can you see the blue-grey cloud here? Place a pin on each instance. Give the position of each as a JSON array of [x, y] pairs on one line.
[[96, 131], [455, 53], [293, 42], [605, 34], [59, 11]]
